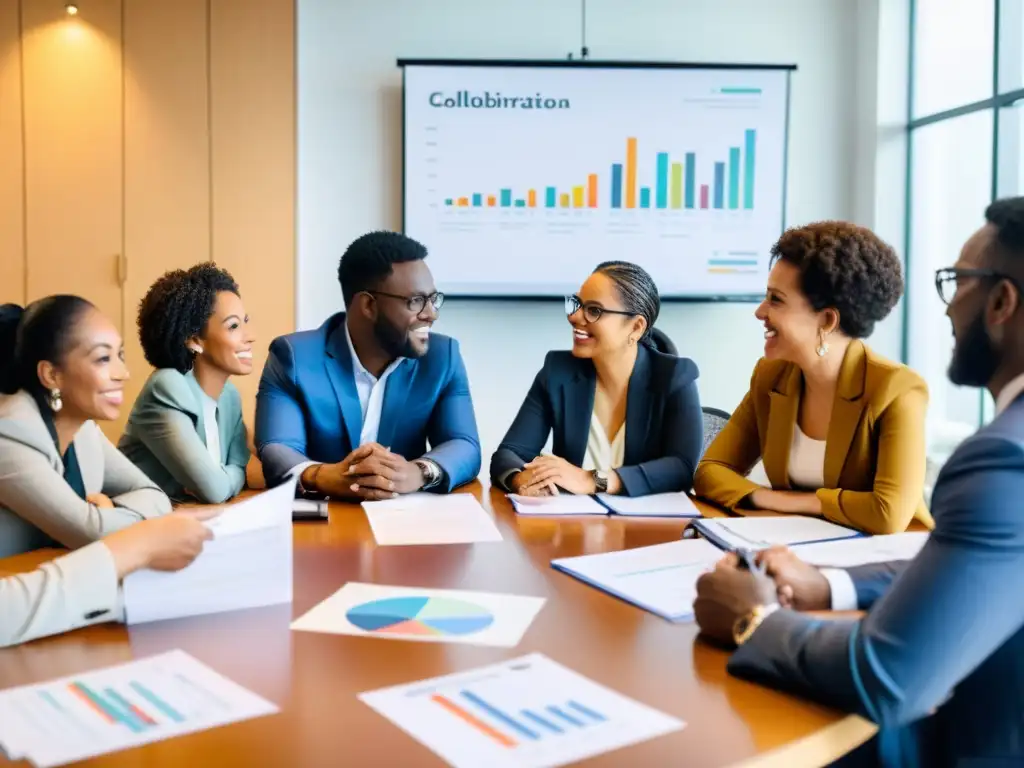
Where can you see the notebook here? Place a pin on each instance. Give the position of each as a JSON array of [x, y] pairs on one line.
[[758, 533], [655, 505]]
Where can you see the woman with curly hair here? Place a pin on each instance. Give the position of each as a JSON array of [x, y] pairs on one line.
[[186, 430], [840, 429]]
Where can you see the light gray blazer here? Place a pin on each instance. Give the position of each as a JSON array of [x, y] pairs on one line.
[[165, 437], [70, 592], [37, 506]]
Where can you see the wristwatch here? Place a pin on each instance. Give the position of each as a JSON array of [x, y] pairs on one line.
[[600, 480], [745, 625], [431, 472]]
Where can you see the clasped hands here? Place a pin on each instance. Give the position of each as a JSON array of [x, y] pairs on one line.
[[545, 475], [371, 472], [730, 591]]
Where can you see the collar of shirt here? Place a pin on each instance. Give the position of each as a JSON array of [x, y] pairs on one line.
[[1009, 393]]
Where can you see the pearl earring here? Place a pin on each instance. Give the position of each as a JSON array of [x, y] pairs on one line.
[[196, 349], [822, 349], [56, 403]]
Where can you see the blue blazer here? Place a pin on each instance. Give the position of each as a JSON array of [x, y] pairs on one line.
[[664, 422], [307, 407], [943, 632]]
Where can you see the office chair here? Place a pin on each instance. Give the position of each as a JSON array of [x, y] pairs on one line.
[[663, 343], [714, 420]]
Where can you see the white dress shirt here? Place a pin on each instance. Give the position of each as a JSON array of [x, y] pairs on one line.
[[371, 392], [603, 454], [211, 428], [844, 594]]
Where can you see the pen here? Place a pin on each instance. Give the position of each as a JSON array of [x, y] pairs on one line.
[[748, 561]]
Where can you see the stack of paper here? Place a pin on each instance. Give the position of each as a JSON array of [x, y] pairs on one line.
[[248, 564], [661, 579], [848, 553], [519, 713], [430, 518], [655, 505], [758, 533], [81, 716]]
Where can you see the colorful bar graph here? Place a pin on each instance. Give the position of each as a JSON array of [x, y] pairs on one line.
[[491, 201], [550, 197], [677, 185], [661, 188], [531, 198], [734, 178], [563, 200], [474, 721], [577, 197], [703, 195], [95, 702], [497, 714], [563, 715], [691, 178], [136, 720], [719, 189], [631, 173], [538, 720], [157, 702], [645, 197], [596, 716], [616, 185], [592, 190], [448, 201], [478, 200], [748, 169], [506, 198], [463, 202], [520, 203]]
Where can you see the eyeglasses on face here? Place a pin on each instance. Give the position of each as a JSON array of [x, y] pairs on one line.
[[415, 303], [947, 280], [591, 312]]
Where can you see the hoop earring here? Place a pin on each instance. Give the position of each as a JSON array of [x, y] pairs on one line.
[[56, 403]]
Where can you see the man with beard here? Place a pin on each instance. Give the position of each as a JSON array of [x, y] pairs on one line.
[[937, 660], [353, 404]]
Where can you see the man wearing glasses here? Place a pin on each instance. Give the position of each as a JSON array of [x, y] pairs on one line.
[[936, 661], [354, 404]]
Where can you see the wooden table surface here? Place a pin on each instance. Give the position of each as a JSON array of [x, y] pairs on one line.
[[315, 678]]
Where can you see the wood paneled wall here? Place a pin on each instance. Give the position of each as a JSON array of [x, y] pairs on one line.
[[142, 136]]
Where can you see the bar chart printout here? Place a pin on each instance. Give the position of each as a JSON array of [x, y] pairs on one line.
[[529, 711], [116, 708]]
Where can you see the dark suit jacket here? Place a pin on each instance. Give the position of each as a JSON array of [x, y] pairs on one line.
[[664, 423], [945, 630], [307, 408]]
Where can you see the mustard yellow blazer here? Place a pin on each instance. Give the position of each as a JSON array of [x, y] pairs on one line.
[[874, 451]]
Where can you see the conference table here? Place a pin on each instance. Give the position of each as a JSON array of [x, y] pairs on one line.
[[315, 678]]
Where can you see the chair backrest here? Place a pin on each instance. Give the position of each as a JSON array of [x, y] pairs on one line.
[[663, 343], [714, 420]]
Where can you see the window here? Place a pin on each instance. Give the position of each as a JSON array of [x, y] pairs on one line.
[[954, 48], [966, 138], [951, 183]]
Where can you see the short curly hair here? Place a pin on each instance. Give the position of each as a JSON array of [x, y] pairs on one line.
[[176, 308], [846, 267], [370, 258]]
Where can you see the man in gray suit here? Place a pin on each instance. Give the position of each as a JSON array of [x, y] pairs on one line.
[[938, 660]]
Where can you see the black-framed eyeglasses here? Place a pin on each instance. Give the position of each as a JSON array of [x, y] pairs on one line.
[[948, 278], [415, 303], [591, 312]]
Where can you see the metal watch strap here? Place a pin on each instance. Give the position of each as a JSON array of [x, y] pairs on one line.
[[431, 472]]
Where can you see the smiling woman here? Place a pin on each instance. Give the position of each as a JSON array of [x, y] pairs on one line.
[[61, 481], [185, 430]]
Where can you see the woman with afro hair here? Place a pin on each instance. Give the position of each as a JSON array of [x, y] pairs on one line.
[[840, 429], [185, 430]]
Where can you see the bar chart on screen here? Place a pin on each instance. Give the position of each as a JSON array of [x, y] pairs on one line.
[[681, 172], [529, 711]]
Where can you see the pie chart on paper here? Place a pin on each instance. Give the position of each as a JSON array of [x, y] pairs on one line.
[[431, 616]]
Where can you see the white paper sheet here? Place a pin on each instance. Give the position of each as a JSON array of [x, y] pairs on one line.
[[660, 578], [870, 549], [429, 518], [423, 615], [529, 711], [248, 564], [654, 505], [762, 532], [119, 707], [562, 504]]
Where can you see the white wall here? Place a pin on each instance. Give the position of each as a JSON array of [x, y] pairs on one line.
[[349, 169]]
